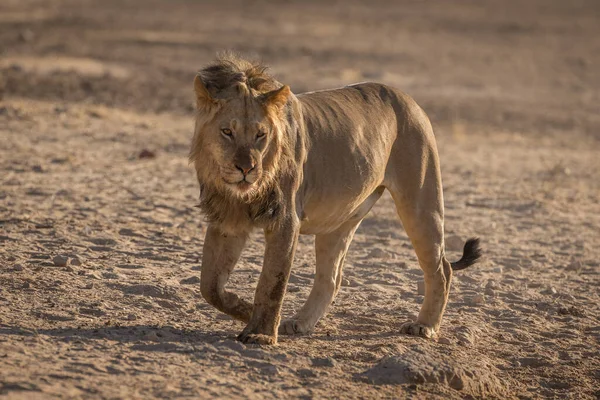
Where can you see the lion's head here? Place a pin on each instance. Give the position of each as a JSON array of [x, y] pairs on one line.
[[239, 127]]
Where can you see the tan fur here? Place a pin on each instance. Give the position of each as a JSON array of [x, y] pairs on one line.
[[325, 159]]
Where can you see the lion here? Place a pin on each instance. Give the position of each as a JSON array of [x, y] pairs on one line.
[[315, 164]]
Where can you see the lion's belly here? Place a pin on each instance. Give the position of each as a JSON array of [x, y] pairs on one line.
[[324, 208], [319, 222]]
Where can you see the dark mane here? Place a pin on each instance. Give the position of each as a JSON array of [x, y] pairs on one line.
[[230, 70]]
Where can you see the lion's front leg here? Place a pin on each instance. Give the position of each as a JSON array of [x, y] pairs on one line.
[[220, 255], [279, 254]]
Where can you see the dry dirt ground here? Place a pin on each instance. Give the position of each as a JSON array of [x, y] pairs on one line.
[[95, 123]]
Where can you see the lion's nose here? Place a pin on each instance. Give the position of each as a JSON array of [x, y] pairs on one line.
[[245, 169]]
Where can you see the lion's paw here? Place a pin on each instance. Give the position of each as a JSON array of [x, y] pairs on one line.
[[416, 329], [293, 327], [256, 338]]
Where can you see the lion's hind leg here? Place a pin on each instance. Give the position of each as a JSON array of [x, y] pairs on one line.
[[420, 206]]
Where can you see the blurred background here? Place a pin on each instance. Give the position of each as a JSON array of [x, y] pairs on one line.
[[100, 242], [523, 66]]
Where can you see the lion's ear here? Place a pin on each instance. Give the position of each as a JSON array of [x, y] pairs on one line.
[[203, 97], [277, 98]]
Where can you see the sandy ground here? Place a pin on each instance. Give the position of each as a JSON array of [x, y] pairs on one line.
[[100, 240]]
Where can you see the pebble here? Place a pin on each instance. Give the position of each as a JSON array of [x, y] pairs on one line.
[[551, 291], [152, 336], [270, 370], [306, 373], [533, 362], [18, 267], [477, 300], [60, 261], [76, 262], [575, 311], [192, 280], [89, 285], [145, 153], [323, 362], [498, 269], [444, 340], [94, 275], [575, 266], [293, 289], [131, 317], [421, 288], [26, 36], [491, 284], [567, 296], [379, 253]]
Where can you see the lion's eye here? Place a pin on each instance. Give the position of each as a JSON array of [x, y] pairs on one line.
[[226, 132], [260, 134]]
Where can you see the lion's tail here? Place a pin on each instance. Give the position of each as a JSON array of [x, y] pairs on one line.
[[471, 254]]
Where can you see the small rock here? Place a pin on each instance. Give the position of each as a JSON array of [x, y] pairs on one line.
[[131, 317], [323, 362], [192, 280], [152, 336], [477, 300], [306, 373], [421, 288], [567, 296], [534, 362], [26, 36], [94, 275], [270, 370], [76, 262], [145, 153], [575, 266], [293, 289], [26, 285], [37, 168], [491, 284], [379, 253], [60, 261], [574, 311], [68, 268], [551, 291], [110, 275], [18, 267], [89, 285], [498, 269], [490, 292], [454, 243], [444, 340]]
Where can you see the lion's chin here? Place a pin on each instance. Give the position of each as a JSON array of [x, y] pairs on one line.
[[242, 188]]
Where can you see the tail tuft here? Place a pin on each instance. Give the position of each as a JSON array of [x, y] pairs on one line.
[[471, 254]]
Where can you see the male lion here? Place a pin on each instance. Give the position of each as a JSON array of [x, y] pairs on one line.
[[313, 163]]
